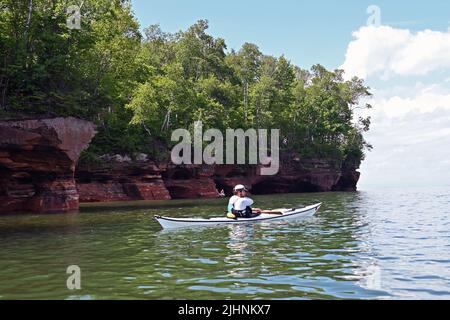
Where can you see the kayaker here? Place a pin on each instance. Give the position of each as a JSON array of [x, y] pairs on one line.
[[240, 206]]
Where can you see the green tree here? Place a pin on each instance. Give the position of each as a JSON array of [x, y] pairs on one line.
[[138, 88]]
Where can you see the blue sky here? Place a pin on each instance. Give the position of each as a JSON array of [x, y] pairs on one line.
[[406, 62], [307, 32]]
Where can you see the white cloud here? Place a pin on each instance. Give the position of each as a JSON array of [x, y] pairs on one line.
[[419, 158], [411, 136], [411, 116], [426, 100], [385, 51]]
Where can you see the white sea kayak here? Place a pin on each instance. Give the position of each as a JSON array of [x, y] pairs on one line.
[[282, 214]]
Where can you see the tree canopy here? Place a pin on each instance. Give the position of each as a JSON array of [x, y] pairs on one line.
[[140, 86]]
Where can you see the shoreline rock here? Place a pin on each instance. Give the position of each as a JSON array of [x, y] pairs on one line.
[[37, 163], [144, 179], [38, 158], [121, 181]]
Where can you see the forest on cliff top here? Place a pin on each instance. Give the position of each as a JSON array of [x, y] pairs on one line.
[[138, 86]]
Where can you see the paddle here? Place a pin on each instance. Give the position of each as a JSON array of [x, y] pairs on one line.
[[278, 212], [272, 212]]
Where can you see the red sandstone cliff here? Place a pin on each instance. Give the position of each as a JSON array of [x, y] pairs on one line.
[[121, 179], [38, 160], [37, 163]]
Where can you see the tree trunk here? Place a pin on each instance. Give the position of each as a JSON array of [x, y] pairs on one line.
[[27, 33], [30, 10], [5, 89], [245, 100]]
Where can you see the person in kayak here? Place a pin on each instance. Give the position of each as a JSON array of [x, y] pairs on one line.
[[240, 206]]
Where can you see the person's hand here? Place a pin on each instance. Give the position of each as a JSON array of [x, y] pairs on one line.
[[257, 210]]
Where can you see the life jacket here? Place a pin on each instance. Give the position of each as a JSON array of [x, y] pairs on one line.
[[247, 213]]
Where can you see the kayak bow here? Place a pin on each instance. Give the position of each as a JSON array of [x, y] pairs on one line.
[[285, 214]]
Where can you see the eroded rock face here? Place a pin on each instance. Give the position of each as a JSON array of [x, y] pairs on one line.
[[37, 163], [38, 160], [122, 180], [348, 181], [296, 175], [190, 181]]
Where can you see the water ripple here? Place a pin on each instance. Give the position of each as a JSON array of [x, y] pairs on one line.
[[367, 245]]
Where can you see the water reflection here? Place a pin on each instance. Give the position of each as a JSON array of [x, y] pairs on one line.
[[238, 255], [370, 276], [360, 245]]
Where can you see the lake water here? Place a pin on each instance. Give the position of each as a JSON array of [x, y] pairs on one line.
[[389, 244]]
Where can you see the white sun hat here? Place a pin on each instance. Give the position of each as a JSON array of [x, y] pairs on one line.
[[240, 187]]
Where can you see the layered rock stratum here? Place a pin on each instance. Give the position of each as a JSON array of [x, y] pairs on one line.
[[37, 163], [39, 172]]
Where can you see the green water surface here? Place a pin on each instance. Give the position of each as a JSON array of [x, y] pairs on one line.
[[365, 245]]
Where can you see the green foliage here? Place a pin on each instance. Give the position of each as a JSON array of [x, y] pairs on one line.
[[138, 89]]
